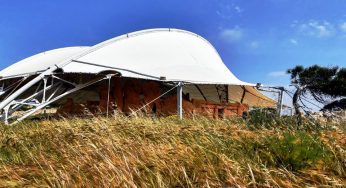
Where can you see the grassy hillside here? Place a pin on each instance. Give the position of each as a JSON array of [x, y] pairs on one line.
[[167, 152]]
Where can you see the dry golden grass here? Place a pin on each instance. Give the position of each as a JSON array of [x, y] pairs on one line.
[[167, 152]]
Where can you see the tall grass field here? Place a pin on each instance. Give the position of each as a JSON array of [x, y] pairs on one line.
[[137, 151]]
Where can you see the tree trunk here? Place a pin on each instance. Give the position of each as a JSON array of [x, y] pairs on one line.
[[295, 101], [297, 106]]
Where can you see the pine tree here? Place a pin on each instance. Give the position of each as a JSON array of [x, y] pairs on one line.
[[320, 82]]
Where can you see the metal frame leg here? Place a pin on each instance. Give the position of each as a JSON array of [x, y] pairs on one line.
[[44, 92], [6, 109], [180, 100]]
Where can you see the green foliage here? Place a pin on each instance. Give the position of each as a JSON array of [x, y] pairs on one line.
[[338, 84], [259, 118], [297, 151], [6, 154], [10, 151], [335, 105], [290, 151], [319, 81], [268, 119]]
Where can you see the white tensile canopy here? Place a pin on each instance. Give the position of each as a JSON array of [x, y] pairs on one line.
[[167, 55], [40, 62], [174, 54]]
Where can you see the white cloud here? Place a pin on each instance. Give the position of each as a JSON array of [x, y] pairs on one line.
[[343, 26], [232, 35], [238, 9], [294, 42], [313, 28], [228, 9], [277, 74], [254, 44]]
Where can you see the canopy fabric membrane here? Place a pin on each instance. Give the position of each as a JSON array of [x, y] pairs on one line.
[[39, 62], [163, 55], [249, 95], [176, 55], [235, 94]]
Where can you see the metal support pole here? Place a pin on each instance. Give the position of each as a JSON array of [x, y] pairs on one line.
[[44, 89], [180, 100], [44, 92], [280, 101], [6, 109], [292, 112], [109, 77]]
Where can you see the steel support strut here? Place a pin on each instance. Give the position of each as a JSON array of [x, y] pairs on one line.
[[18, 105], [44, 89], [180, 100], [21, 90], [109, 77], [40, 98], [6, 109], [29, 101], [77, 88], [45, 79]]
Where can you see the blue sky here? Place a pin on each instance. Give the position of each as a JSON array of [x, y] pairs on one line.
[[257, 39]]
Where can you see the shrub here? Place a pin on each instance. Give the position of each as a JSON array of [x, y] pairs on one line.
[[296, 151], [261, 119], [268, 119]]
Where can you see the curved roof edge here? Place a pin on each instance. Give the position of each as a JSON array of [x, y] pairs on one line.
[[34, 64], [71, 57], [141, 32]]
